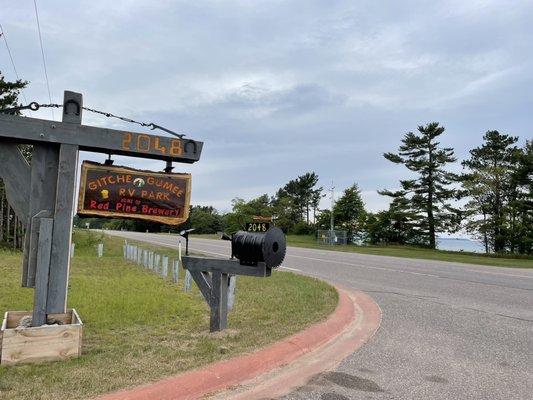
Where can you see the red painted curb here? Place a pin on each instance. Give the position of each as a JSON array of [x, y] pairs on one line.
[[283, 380], [223, 374]]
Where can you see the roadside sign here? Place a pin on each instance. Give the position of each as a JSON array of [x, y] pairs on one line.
[[113, 191]]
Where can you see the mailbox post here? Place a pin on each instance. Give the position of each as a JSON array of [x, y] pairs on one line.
[[256, 254]]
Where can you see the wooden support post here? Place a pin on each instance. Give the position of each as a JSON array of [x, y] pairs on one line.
[[231, 291], [187, 282], [42, 198], [46, 226], [215, 286], [219, 302], [64, 206]]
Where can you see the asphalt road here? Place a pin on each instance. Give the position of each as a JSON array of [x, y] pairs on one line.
[[449, 331]]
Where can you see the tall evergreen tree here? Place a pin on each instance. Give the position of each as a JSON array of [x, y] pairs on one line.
[[488, 181], [9, 92], [349, 210], [303, 194], [522, 179], [430, 192], [315, 201]]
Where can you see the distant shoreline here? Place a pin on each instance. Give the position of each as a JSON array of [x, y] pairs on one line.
[[460, 244]]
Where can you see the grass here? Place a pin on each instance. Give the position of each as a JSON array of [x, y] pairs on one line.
[[140, 328], [495, 260]]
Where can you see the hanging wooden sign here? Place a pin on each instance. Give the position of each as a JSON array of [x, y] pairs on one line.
[[122, 192]]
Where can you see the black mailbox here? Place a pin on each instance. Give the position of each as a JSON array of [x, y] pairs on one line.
[[253, 254], [251, 248]]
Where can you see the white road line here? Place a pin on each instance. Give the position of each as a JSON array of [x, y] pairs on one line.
[[291, 269], [364, 266], [457, 267]]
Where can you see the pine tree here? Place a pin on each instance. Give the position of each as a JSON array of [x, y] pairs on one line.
[[349, 210], [488, 180], [9, 92], [303, 194], [430, 192]]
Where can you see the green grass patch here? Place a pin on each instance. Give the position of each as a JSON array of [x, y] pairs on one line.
[[140, 327], [418, 252]]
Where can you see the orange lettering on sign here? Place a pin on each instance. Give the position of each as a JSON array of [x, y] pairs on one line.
[[176, 148], [126, 141], [158, 147], [143, 143]]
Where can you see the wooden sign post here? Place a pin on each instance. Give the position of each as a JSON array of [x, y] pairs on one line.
[[43, 194]]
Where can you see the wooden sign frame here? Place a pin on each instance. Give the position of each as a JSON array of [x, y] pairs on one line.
[[43, 193], [88, 166]]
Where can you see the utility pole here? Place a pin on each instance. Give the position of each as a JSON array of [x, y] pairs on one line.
[[331, 220]]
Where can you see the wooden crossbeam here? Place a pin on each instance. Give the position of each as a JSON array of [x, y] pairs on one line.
[[227, 266], [16, 129]]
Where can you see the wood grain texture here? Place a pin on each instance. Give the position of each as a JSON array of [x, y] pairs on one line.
[[229, 266], [219, 302], [15, 172], [43, 343], [46, 226], [64, 210], [45, 159], [95, 139]]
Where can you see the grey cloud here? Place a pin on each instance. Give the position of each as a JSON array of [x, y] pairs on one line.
[[275, 89]]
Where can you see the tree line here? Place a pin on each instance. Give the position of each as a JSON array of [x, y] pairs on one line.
[[495, 184], [490, 198]]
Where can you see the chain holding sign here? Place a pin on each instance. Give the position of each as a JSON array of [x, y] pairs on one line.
[[113, 191]]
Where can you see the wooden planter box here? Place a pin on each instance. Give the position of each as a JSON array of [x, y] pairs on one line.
[[43, 343]]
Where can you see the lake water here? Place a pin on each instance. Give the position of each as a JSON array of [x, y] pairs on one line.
[[453, 244]]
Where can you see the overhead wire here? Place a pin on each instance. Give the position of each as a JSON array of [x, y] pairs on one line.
[[42, 53], [3, 35]]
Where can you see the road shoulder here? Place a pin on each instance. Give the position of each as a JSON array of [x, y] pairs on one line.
[[276, 369]]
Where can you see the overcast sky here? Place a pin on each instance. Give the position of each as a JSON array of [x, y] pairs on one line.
[[278, 88]]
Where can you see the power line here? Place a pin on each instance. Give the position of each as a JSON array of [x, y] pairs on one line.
[[42, 53], [3, 34]]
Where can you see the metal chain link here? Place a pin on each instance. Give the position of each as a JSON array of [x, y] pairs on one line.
[[34, 106]]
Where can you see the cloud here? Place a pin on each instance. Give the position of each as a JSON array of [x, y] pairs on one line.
[[276, 89]]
